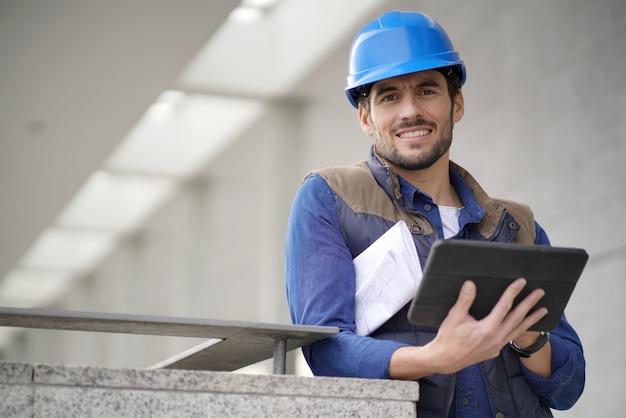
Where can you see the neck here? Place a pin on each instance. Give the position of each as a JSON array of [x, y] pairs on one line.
[[434, 180]]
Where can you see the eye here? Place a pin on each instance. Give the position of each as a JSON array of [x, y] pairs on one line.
[[389, 98], [427, 92]]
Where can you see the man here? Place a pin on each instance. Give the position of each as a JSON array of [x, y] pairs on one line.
[[405, 80]]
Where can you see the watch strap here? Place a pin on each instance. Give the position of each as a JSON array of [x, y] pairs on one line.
[[544, 337]]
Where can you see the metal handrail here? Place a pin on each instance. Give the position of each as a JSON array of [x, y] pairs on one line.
[[239, 343]]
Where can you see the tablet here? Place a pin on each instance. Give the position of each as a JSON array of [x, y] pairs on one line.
[[493, 266]]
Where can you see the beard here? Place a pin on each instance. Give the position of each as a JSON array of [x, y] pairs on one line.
[[415, 160]]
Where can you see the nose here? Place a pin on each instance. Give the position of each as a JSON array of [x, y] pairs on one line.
[[411, 107]]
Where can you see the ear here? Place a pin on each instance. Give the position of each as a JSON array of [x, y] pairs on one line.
[[459, 107], [364, 118]]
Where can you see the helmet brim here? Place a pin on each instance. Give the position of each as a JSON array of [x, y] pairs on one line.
[[385, 72]]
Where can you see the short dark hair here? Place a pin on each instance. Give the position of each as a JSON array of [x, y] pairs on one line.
[[453, 78], [363, 94], [451, 73]]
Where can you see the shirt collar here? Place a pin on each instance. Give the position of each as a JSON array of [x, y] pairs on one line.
[[419, 200], [413, 198]]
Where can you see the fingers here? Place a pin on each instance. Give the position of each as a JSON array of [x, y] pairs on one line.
[[505, 303], [463, 340], [465, 299], [513, 319], [502, 319], [526, 305], [533, 318], [518, 320]]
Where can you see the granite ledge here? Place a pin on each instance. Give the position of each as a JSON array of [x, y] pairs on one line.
[[16, 373], [217, 382]]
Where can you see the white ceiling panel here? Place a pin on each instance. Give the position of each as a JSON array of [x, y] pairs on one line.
[[267, 57], [67, 249], [32, 287], [180, 133], [115, 202]]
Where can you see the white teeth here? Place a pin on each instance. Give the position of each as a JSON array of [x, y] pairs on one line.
[[414, 134]]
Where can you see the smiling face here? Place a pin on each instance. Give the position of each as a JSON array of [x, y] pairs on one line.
[[410, 118]]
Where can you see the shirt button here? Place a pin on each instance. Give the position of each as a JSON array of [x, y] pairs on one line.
[[465, 401], [428, 207], [499, 415]]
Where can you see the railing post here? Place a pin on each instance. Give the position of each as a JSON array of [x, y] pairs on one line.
[[280, 355]]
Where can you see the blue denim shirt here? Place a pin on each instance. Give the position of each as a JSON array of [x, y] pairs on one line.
[[320, 291]]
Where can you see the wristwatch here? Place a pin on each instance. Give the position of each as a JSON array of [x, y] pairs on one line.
[[544, 336]]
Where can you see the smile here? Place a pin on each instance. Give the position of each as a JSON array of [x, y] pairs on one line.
[[415, 134]]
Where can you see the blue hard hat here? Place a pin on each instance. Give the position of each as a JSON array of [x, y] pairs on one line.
[[399, 43]]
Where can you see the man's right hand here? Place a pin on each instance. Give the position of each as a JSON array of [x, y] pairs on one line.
[[463, 341]]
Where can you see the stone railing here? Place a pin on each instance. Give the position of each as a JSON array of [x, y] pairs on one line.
[[69, 391], [203, 389]]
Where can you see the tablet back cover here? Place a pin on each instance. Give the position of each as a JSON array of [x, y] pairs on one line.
[[493, 266]]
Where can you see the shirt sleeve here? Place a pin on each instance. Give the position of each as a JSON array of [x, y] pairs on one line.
[[567, 382], [320, 288]]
